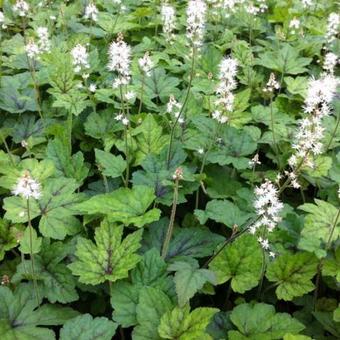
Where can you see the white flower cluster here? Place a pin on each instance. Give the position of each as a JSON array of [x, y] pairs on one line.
[[32, 50], [196, 12], [21, 7], [268, 207], [319, 95], [332, 27], [122, 118], [80, 58], [44, 41], [294, 25], [2, 20], [174, 108], [227, 83], [27, 187], [310, 132], [227, 6], [307, 3], [145, 63], [331, 60], [272, 84], [119, 61], [168, 15], [256, 7], [91, 12]]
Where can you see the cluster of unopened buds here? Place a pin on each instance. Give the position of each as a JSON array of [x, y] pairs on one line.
[[272, 85], [178, 174]]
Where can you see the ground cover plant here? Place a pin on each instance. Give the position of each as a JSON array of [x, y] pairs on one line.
[[169, 170]]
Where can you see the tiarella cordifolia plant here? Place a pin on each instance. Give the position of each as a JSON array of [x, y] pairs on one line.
[[169, 169]]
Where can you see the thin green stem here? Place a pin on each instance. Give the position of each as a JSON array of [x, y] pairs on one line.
[[191, 76], [35, 287], [273, 130], [127, 172], [169, 232], [8, 150], [69, 130], [263, 269]]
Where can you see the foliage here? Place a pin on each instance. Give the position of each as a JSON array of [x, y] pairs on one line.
[[147, 154]]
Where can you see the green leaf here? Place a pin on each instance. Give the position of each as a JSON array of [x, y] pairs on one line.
[[149, 272], [9, 236], [331, 265], [259, 321], [124, 300], [110, 165], [25, 242], [56, 208], [292, 274], [158, 85], [297, 85], [128, 206], [234, 146], [189, 279], [55, 281], [322, 164], [285, 60], [153, 303], [319, 222], [16, 93], [110, 258], [149, 138], [240, 261], [85, 327], [66, 166], [195, 242], [224, 212], [182, 324], [21, 318], [74, 101]]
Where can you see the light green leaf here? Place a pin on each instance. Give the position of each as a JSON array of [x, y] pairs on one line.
[[21, 318], [182, 324], [240, 261], [322, 164], [128, 206], [110, 165], [297, 85], [224, 212], [25, 242], [285, 60], [149, 137], [292, 274], [110, 258], [259, 321], [189, 279], [318, 225], [85, 327], [153, 303]]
